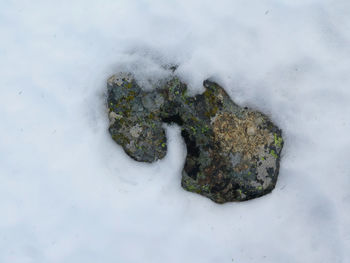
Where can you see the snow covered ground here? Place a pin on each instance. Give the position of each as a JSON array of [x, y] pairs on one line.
[[68, 193]]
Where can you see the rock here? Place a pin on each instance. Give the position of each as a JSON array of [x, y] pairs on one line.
[[233, 153]]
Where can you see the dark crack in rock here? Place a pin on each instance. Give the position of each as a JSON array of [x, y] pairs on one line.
[[233, 153]]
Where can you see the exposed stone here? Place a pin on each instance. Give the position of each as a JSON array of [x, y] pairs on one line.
[[233, 153]]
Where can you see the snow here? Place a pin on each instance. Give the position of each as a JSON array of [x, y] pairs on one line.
[[68, 193]]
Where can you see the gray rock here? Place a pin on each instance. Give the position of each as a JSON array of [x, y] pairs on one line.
[[233, 153]]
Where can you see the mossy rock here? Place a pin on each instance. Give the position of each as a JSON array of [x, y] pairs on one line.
[[233, 153]]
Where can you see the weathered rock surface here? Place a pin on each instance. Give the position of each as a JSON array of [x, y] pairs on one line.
[[233, 153]]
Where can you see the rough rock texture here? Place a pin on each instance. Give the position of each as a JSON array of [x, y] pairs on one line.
[[233, 153]]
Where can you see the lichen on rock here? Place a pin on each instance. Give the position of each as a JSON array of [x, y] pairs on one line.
[[233, 153]]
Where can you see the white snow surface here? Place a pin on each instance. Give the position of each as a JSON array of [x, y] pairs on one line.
[[68, 193]]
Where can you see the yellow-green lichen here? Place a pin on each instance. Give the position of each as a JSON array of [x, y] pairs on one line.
[[205, 129], [278, 140], [192, 188], [206, 188], [273, 153]]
